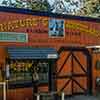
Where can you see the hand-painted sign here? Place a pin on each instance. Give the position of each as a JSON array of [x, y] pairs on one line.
[[13, 37], [56, 28], [36, 22], [40, 29]]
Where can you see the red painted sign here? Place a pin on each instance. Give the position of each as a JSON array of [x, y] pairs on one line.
[[46, 31]]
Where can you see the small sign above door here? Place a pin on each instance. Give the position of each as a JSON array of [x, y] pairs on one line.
[[52, 56]]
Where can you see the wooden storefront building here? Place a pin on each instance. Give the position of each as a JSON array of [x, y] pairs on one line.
[[66, 49]]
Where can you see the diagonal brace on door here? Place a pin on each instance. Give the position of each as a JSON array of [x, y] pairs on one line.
[[65, 84], [79, 85], [64, 62], [79, 63]]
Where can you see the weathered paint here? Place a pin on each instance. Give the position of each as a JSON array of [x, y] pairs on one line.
[[77, 33]]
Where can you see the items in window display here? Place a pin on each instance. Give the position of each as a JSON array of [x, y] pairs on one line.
[[7, 71], [96, 50], [43, 71], [1, 73], [20, 65], [34, 71], [18, 71], [98, 64], [98, 81], [22, 70]]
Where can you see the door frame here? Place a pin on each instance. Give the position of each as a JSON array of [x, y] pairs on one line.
[[86, 52]]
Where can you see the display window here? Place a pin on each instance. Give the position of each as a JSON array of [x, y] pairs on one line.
[[98, 64], [23, 72]]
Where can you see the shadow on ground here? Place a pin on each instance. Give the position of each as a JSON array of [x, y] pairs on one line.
[[81, 97]]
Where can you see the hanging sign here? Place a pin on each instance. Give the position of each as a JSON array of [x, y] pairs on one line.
[[52, 56]]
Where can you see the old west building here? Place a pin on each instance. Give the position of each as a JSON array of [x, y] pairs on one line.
[[65, 48]]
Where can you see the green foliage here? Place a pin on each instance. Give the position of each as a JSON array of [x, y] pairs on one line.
[[34, 5], [39, 5], [87, 8], [91, 8]]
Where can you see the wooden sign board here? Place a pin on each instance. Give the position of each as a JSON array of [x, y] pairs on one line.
[[13, 37], [48, 31]]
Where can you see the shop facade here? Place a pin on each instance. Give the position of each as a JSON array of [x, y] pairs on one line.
[[59, 46]]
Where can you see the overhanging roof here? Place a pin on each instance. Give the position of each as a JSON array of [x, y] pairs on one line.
[[47, 14], [32, 53]]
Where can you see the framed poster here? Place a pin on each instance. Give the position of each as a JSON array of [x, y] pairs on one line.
[[56, 28]]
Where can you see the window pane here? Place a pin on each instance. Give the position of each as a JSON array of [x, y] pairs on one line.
[[20, 73]]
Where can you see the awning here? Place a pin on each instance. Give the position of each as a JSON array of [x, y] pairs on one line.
[[32, 53]]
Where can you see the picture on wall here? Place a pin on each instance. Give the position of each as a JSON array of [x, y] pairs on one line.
[[56, 28]]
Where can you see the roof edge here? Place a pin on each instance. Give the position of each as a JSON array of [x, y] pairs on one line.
[[47, 14]]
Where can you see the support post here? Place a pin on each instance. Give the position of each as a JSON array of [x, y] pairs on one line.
[[38, 97], [52, 83], [62, 96], [4, 90]]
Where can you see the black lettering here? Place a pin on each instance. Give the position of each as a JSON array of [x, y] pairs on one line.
[[36, 31]]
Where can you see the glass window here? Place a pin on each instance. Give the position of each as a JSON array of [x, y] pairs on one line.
[[20, 72], [43, 72], [98, 64]]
